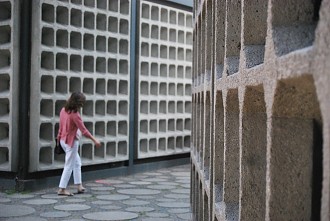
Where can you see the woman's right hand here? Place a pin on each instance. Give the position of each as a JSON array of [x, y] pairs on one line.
[[97, 143]]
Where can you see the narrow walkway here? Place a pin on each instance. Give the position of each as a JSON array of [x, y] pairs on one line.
[[161, 195]]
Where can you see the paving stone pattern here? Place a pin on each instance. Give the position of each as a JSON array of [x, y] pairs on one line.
[[161, 195]]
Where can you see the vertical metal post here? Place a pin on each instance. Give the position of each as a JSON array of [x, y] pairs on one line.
[[24, 92], [132, 99]]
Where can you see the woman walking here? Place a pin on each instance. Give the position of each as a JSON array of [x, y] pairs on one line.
[[71, 127]]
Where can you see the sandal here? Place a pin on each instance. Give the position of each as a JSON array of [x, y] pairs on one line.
[[64, 193], [82, 190]]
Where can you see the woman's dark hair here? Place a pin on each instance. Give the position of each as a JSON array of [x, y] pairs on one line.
[[76, 101]]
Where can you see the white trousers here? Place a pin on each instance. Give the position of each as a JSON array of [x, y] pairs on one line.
[[72, 163]]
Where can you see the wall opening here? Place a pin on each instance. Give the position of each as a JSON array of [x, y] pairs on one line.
[[201, 128], [219, 148], [195, 60], [206, 207], [200, 200], [207, 139], [202, 51], [231, 155], [254, 31], [198, 126], [296, 151], [193, 129], [192, 186], [208, 39], [199, 49], [294, 24], [233, 36], [253, 155], [219, 36]]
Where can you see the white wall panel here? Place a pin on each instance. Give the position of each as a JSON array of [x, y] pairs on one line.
[[164, 80], [80, 46]]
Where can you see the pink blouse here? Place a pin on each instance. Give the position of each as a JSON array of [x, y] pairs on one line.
[[69, 124]]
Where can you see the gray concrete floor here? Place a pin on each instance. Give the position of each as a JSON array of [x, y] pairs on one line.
[[160, 195]]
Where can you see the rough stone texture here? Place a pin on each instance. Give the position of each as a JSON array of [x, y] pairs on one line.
[[254, 55], [270, 118], [291, 168], [253, 154], [231, 151]]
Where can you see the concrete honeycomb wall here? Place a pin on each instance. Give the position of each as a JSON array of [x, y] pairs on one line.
[[84, 45], [80, 45], [260, 110], [164, 80], [8, 83]]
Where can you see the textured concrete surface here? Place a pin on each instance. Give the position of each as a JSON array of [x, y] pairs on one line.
[[268, 139]]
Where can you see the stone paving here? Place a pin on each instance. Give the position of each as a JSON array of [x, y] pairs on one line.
[[161, 195]]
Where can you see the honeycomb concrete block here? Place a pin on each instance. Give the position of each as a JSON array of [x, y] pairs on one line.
[[231, 153], [299, 190], [253, 154], [293, 29], [260, 123], [80, 46], [219, 23], [233, 36], [9, 40], [254, 32], [164, 76]]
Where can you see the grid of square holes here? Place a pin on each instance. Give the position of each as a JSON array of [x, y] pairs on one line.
[[84, 46], [6, 79], [165, 63]]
